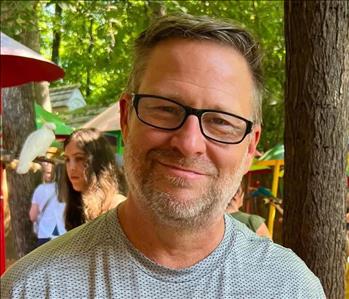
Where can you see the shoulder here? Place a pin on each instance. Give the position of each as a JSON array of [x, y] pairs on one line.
[[116, 200], [240, 216], [62, 258], [293, 275], [42, 192], [252, 221], [273, 265], [256, 221], [39, 188], [255, 217], [39, 192], [43, 188]]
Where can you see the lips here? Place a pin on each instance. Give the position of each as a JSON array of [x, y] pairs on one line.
[[74, 178], [187, 173], [183, 170], [174, 161]]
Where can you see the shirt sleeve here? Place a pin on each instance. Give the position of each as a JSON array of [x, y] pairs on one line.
[[256, 221], [39, 197]]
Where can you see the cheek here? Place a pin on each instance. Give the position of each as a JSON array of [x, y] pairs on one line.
[[81, 166], [228, 160], [143, 138], [67, 168]]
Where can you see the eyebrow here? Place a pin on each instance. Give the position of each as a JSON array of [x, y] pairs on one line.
[[75, 154], [181, 100]]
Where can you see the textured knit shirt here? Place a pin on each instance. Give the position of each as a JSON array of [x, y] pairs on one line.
[[96, 260]]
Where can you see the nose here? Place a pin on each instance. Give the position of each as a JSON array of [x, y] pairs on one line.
[[188, 139], [70, 165]]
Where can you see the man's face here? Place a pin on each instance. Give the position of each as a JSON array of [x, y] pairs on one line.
[[180, 177]]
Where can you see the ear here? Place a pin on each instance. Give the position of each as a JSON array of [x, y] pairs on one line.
[[124, 103], [252, 146]]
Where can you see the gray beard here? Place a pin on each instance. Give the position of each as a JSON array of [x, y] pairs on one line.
[[210, 202]]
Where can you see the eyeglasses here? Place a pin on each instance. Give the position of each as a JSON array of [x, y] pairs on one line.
[[167, 114]]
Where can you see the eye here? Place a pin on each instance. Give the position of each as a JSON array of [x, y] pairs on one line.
[[80, 159], [217, 120], [158, 106], [220, 121], [170, 109], [220, 125]]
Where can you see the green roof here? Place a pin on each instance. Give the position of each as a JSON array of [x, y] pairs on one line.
[[42, 116]]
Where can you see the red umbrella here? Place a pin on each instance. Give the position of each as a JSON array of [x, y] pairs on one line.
[[20, 65]]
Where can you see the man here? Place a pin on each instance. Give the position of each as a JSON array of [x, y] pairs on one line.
[[191, 122]]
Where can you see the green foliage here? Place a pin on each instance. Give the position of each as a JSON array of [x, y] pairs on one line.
[[96, 44], [16, 17]]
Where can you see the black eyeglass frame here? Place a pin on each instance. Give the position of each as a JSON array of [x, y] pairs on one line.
[[189, 111]]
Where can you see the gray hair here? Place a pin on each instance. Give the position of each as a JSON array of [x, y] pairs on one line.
[[199, 28]]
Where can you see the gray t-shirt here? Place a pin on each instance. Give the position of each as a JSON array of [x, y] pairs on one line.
[[96, 260]]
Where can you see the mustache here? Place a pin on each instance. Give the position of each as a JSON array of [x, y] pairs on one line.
[[172, 157]]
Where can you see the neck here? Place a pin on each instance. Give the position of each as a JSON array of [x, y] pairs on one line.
[[168, 246], [231, 209]]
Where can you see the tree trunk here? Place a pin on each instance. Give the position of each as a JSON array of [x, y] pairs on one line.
[[56, 33], [316, 128], [89, 53], [42, 90], [18, 122], [31, 38], [42, 95]]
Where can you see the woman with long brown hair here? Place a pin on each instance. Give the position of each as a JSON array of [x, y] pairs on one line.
[[89, 185]]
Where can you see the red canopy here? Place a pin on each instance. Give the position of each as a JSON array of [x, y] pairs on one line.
[[20, 65]]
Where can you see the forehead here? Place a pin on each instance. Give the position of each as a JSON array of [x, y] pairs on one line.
[[73, 148], [47, 166], [189, 69]]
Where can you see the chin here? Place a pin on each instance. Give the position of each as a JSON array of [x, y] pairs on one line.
[[77, 188], [183, 194]]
